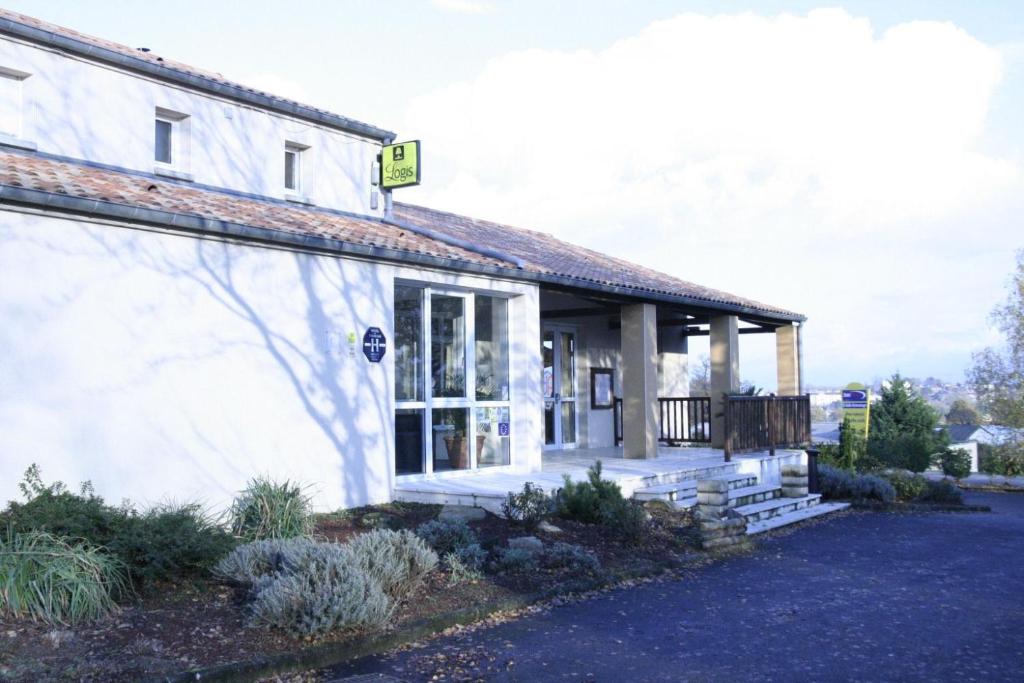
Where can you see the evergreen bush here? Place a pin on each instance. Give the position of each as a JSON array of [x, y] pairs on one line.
[[447, 535], [397, 560], [528, 508], [575, 558], [955, 462]]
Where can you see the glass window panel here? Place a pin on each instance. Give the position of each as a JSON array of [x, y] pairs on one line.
[[491, 323], [408, 343], [448, 345], [549, 422], [450, 428], [10, 105], [492, 430], [569, 422], [568, 363], [547, 350], [409, 441], [163, 141], [290, 159]]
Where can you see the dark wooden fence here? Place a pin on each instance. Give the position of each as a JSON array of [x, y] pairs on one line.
[[764, 423], [681, 420]]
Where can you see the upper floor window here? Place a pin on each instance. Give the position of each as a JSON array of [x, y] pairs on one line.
[[11, 83], [293, 158], [170, 141]]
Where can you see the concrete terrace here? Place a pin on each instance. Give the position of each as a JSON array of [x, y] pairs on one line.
[[489, 489]]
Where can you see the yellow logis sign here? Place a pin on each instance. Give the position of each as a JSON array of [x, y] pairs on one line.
[[400, 165], [857, 407]]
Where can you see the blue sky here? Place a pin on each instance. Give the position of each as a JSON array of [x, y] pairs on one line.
[[862, 164]]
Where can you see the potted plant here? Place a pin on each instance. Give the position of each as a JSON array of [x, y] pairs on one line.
[[458, 449]]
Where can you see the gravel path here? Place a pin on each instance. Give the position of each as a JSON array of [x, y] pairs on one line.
[[865, 596]]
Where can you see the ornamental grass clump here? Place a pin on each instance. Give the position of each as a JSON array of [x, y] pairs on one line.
[[46, 578], [268, 509]]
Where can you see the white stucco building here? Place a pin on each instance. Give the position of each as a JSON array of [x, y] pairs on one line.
[[189, 267]]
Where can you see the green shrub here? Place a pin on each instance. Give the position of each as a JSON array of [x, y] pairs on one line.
[[447, 535], [575, 558], [852, 447], [54, 509], [955, 462], [905, 451], [908, 486], [626, 518], [250, 562], [871, 487], [942, 491], [397, 560], [268, 509], [48, 578], [828, 454], [514, 561], [171, 542], [328, 592], [527, 508], [472, 556], [582, 501], [1006, 459]]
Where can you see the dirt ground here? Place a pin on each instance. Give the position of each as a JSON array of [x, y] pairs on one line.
[[180, 627]]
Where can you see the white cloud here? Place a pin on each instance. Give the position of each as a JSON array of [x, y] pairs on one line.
[[771, 157], [462, 6]]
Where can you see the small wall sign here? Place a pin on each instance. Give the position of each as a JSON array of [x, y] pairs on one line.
[[374, 344], [602, 388], [400, 165]]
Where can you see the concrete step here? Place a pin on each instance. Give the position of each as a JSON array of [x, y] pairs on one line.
[[794, 517], [759, 512], [680, 490], [749, 495], [734, 480]]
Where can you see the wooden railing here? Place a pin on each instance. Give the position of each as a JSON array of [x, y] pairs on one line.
[[680, 420], [764, 423]]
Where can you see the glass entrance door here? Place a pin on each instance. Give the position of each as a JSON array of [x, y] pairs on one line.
[[558, 350]]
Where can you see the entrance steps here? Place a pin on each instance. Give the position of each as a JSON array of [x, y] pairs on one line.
[[762, 507]]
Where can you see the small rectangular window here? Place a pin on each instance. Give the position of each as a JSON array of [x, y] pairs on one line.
[[164, 141], [293, 167], [10, 101]]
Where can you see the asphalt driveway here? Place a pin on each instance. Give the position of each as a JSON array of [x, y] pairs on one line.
[[865, 597]]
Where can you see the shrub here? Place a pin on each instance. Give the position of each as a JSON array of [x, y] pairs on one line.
[[472, 556], [514, 561], [627, 518], [834, 482], [908, 486], [870, 487], [251, 562], [54, 509], [459, 571], [173, 541], [1006, 459], [572, 557], [330, 591], [906, 451], [528, 508], [47, 578], [397, 560], [955, 462], [268, 509], [582, 501], [942, 491], [446, 535]]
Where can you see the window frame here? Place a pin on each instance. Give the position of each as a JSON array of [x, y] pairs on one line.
[[179, 147], [15, 137], [468, 401]]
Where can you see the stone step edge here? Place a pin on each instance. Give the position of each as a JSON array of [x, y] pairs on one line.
[[753, 490], [794, 517], [775, 503]]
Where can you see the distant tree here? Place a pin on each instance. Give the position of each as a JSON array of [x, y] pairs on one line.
[[700, 377], [963, 412], [903, 429], [998, 374]]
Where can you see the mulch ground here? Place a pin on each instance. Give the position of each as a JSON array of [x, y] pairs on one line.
[[180, 627]]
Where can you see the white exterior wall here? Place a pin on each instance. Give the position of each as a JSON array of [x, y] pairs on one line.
[[161, 366], [85, 110]]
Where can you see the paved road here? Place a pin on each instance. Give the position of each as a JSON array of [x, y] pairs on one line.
[[865, 597]]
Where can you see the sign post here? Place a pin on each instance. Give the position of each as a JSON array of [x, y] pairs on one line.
[[857, 407]]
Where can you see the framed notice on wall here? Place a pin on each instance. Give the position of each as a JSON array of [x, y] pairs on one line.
[[602, 388]]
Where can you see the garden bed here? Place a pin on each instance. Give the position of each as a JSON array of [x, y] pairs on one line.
[[202, 624]]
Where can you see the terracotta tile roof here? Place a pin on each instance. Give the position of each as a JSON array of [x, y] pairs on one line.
[[190, 73], [543, 253], [540, 253], [35, 172]]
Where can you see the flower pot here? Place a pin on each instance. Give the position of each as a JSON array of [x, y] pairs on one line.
[[458, 452]]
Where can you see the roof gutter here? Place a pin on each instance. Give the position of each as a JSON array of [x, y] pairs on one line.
[[209, 85], [191, 223]]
